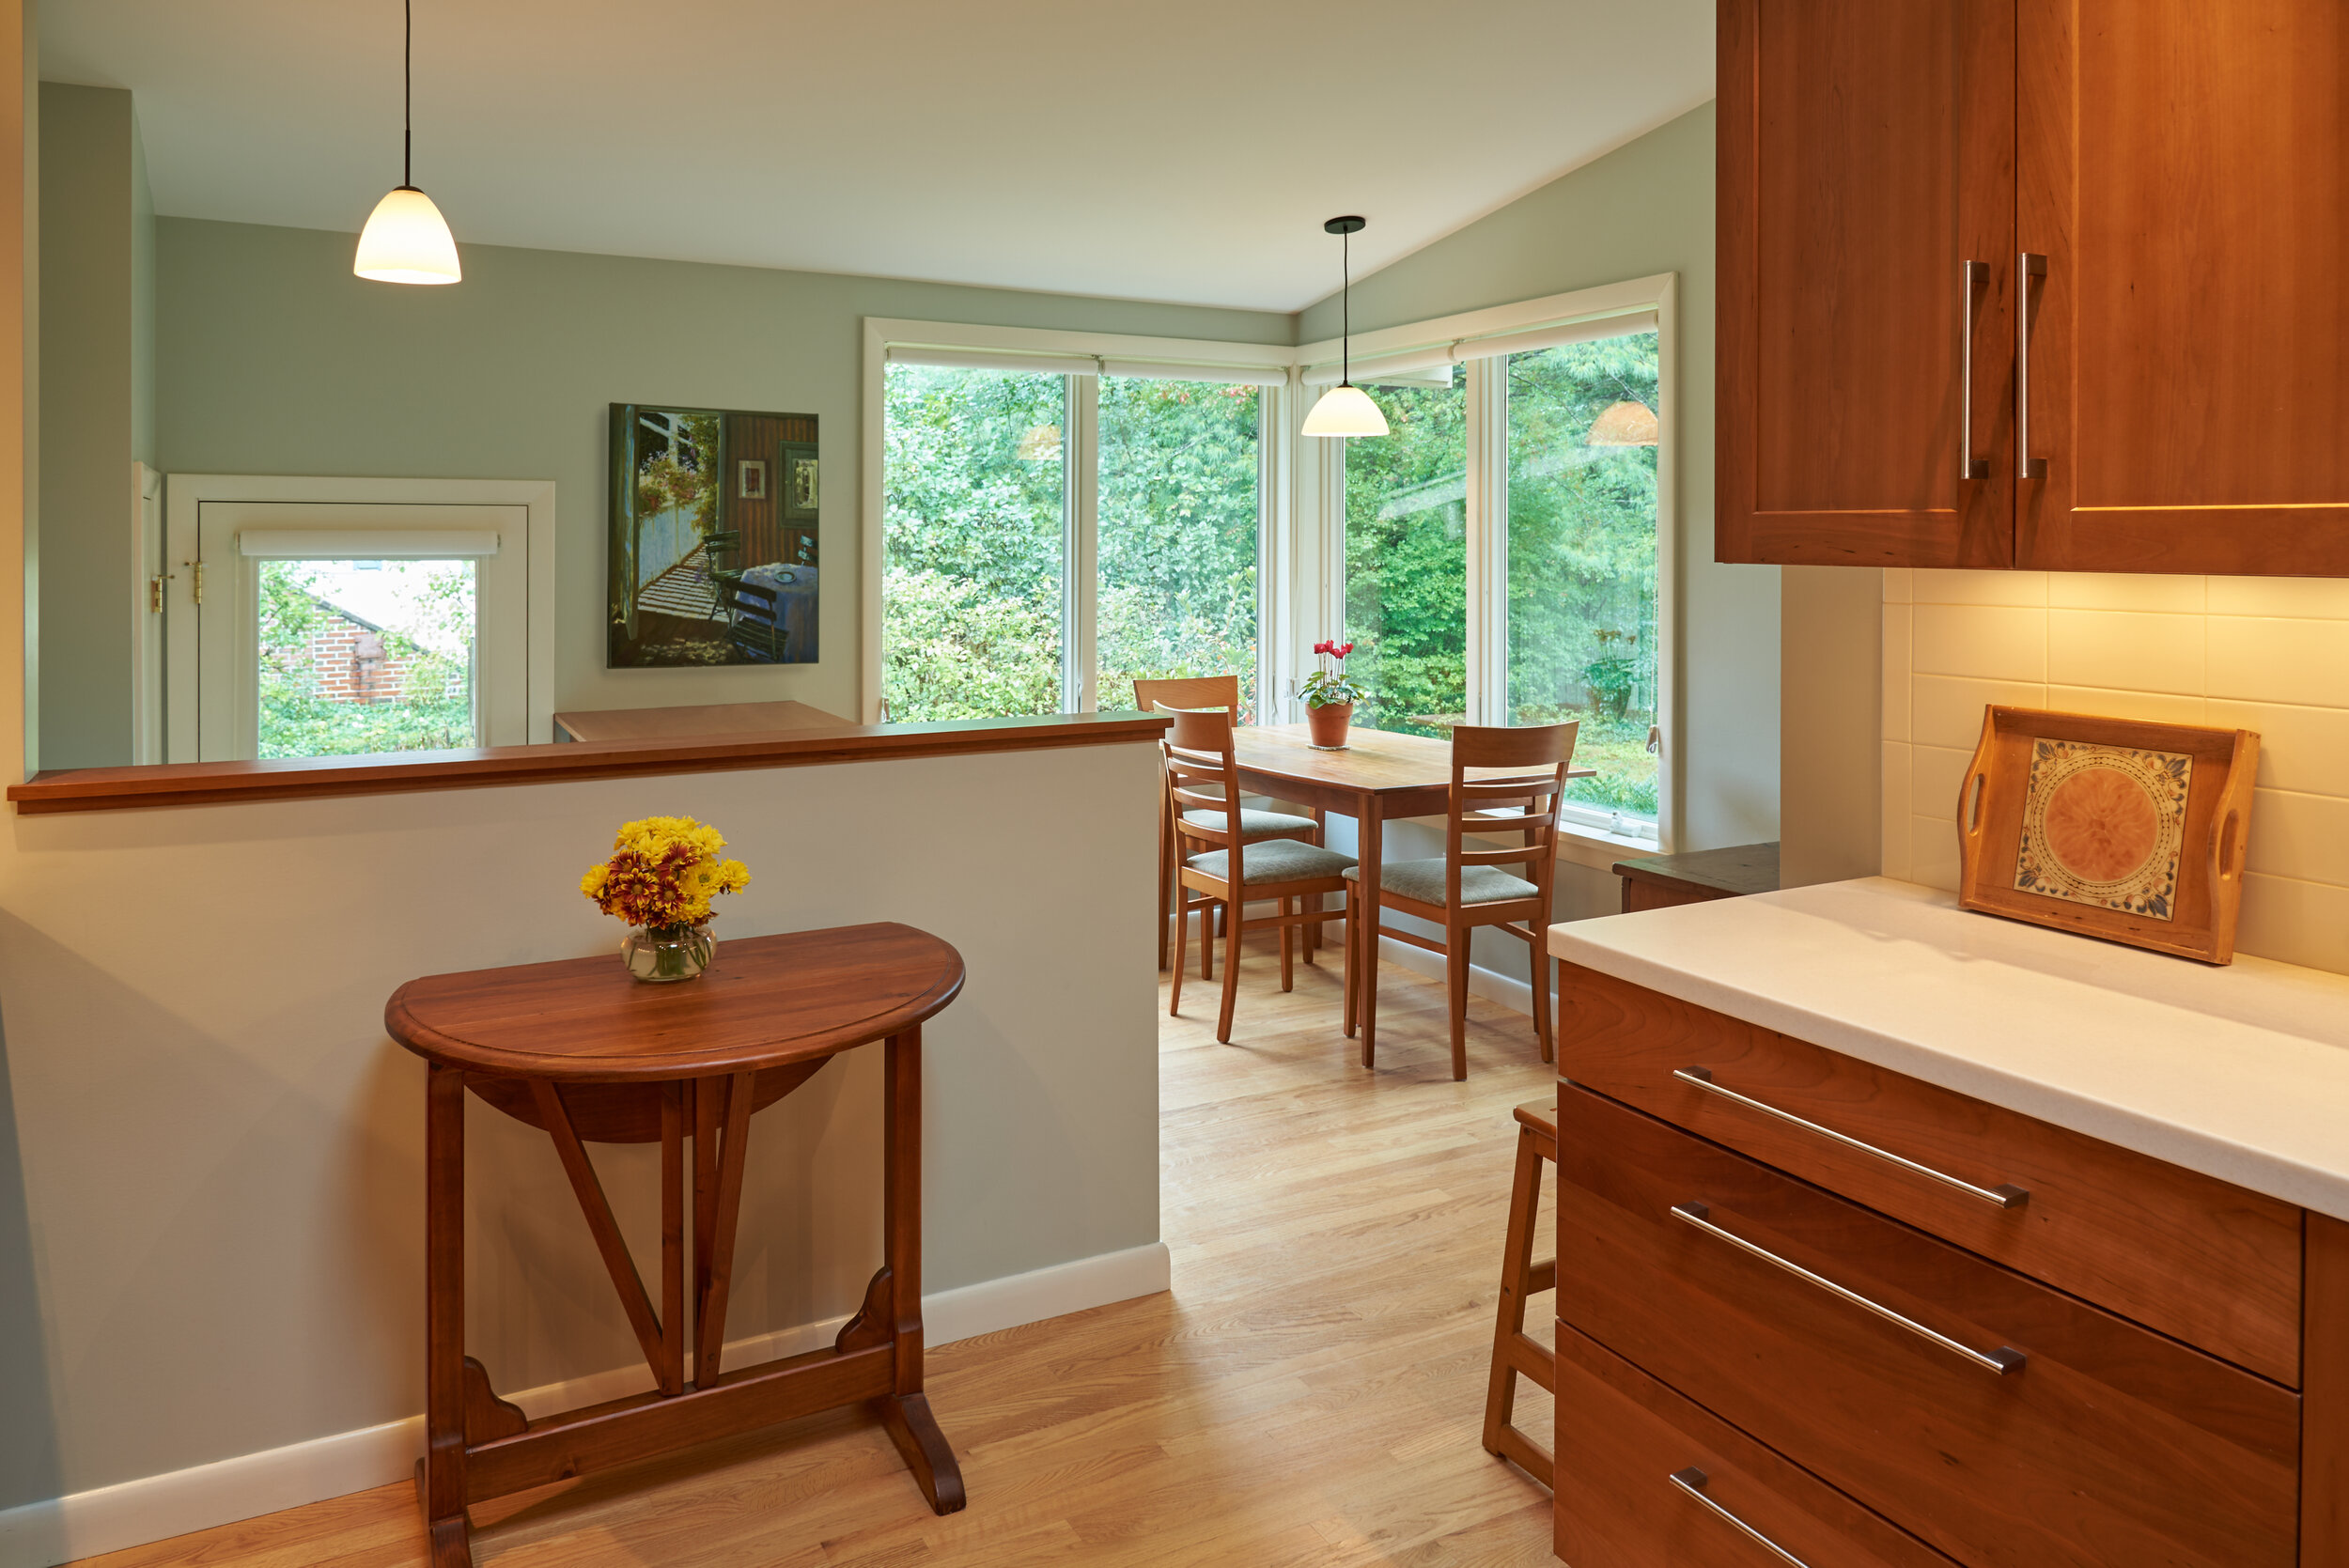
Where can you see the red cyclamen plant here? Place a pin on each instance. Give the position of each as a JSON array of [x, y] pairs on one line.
[[1327, 686]]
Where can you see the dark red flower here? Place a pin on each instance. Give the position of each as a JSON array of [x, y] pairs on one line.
[[1321, 647], [1342, 652]]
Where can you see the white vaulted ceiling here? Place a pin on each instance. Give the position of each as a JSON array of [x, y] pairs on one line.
[[1183, 152]]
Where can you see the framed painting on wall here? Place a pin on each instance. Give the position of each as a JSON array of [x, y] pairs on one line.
[[2114, 828], [702, 571]]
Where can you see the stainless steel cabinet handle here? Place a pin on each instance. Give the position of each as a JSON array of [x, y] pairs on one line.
[[2027, 266], [2005, 1196], [1692, 1481], [2004, 1360], [1970, 277]]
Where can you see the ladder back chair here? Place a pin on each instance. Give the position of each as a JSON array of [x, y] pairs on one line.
[[1227, 868], [1190, 691], [1465, 888]]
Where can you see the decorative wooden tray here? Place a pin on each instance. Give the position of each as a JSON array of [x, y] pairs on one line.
[[2112, 827]]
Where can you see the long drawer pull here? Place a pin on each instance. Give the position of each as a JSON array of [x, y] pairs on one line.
[[1692, 1481], [2005, 1196], [2004, 1360]]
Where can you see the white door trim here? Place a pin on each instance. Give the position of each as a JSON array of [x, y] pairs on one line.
[[186, 493]]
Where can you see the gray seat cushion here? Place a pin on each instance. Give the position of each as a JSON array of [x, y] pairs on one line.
[[1479, 884], [1253, 825], [1276, 859]]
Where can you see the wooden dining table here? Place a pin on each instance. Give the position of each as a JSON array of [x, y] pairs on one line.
[[1377, 776]]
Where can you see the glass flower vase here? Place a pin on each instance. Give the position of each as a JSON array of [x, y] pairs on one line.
[[657, 955]]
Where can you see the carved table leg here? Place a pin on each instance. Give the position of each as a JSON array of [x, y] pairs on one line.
[[906, 1411], [444, 1466]]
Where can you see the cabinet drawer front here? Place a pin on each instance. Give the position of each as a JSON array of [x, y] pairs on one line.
[[1866, 1352], [1623, 1438], [2208, 1262]]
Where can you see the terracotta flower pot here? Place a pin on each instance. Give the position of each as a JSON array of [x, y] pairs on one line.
[[1329, 725]]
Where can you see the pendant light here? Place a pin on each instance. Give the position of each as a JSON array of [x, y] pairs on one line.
[[406, 239], [1344, 409]]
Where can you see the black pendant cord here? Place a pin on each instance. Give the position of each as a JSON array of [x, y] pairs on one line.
[[407, 96], [1346, 309]]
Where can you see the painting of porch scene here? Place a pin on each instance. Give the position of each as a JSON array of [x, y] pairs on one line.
[[714, 553]]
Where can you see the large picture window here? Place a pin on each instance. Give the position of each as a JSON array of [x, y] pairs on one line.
[[1406, 559], [974, 475], [1583, 625], [1178, 519], [1056, 515], [1050, 537]]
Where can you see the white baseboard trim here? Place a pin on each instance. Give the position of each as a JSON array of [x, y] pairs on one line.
[[155, 1508]]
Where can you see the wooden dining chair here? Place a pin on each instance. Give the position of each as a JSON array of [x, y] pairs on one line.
[[1192, 692], [1228, 869], [1465, 888]]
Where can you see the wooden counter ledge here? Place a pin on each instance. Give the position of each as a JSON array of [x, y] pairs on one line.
[[196, 784]]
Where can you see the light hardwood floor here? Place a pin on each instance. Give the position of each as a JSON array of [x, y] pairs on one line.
[[1310, 1393]]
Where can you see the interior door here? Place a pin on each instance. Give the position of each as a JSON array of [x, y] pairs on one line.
[[1866, 155], [2185, 171]]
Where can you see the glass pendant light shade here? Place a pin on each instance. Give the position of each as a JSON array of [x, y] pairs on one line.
[[406, 240], [1344, 411]]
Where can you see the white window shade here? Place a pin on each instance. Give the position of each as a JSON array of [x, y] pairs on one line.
[[365, 544], [1416, 365], [1551, 337], [996, 359], [1378, 367], [1177, 370]]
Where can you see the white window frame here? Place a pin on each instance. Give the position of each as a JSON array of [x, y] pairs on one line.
[[1083, 358], [1481, 341], [226, 580]]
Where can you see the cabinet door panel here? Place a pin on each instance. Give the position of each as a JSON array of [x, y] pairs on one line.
[[2184, 168], [1866, 152]]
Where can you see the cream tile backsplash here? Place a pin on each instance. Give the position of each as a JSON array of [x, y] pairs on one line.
[[2265, 654]]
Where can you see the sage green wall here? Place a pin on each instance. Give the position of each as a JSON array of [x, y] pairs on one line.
[[97, 394], [274, 359], [1645, 208]]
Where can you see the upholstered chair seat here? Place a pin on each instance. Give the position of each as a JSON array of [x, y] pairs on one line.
[[1423, 880], [1278, 860], [1255, 825]]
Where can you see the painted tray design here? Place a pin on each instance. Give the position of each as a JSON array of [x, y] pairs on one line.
[[2112, 827]]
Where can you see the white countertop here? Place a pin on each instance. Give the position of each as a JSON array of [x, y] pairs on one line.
[[2239, 1071]]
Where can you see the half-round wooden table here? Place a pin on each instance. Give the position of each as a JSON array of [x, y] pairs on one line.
[[584, 1052]]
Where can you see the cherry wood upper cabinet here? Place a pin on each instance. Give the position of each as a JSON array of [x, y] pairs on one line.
[[2184, 169], [1866, 155], [2170, 181]]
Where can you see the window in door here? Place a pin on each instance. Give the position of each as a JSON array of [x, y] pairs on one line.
[[1406, 559], [365, 655], [1582, 641], [356, 626], [974, 508], [1177, 510]]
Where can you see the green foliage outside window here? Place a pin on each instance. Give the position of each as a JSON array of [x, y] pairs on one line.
[[1406, 560], [434, 709], [970, 584]]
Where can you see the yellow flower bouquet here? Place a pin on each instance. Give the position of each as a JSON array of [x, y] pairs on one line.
[[662, 876]]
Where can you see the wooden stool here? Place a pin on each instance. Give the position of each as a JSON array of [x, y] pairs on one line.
[[1514, 1350]]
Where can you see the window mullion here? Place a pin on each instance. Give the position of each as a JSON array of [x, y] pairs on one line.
[[1487, 552], [1081, 547]]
